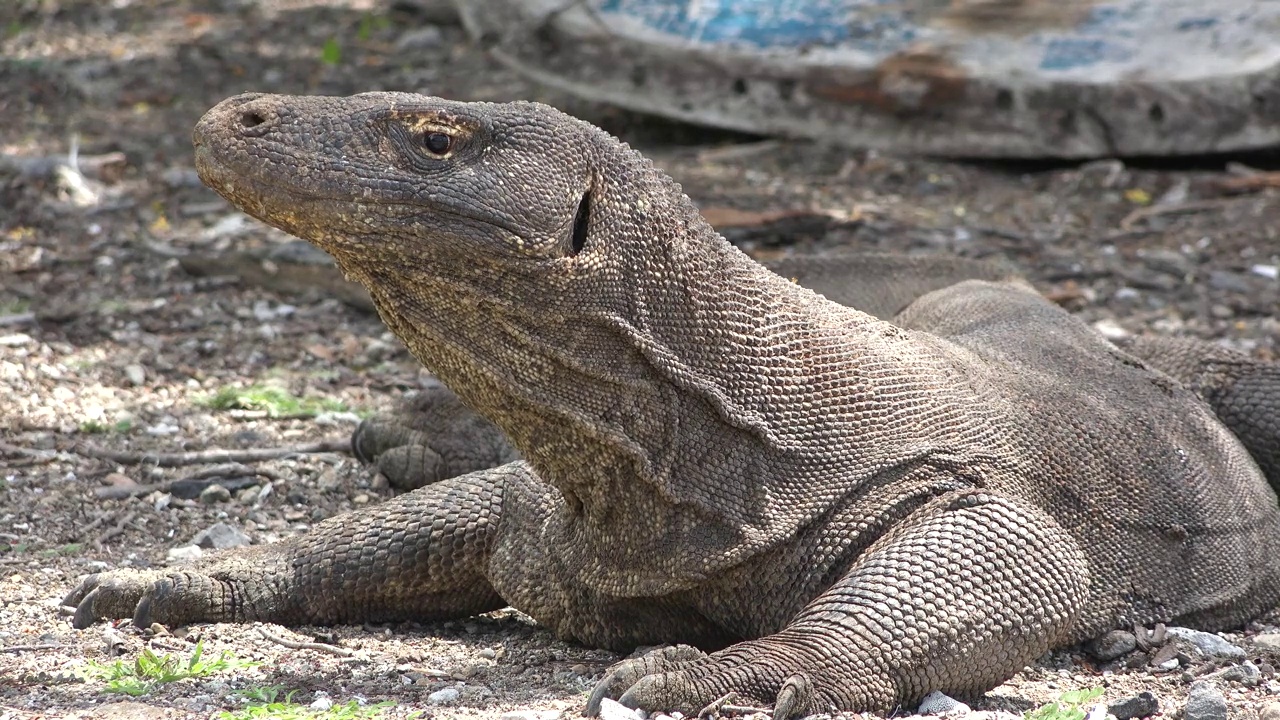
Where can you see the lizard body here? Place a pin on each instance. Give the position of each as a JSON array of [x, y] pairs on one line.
[[850, 512]]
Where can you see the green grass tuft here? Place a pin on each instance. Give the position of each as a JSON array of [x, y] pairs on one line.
[[331, 53], [268, 706], [149, 670], [1072, 705], [97, 427], [276, 402]]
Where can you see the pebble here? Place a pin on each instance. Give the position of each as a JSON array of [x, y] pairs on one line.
[[1113, 645], [15, 340], [332, 418], [1208, 643], [321, 704], [1204, 702], [424, 38], [1270, 712], [1226, 280], [119, 480], [1246, 673], [1268, 641], [220, 536], [247, 496], [1271, 272], [936, 703], [135, 374], [614, 710], [1110, 329], [488, 653], [328, 481], [214, 494], [184, 554], [445, 696], [1139, 706]]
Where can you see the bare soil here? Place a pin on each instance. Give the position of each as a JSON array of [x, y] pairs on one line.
[[107, 342]]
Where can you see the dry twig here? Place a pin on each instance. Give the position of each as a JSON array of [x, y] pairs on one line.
[[28, 648], [116, 530], [200, 457], [1146, 213], [295, 645]]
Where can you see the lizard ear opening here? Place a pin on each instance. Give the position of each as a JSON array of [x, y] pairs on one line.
[[581, 222]]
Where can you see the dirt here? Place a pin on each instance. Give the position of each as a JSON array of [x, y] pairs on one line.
[[107, 343]]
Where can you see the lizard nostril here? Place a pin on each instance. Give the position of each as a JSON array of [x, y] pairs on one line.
[[251, 119]]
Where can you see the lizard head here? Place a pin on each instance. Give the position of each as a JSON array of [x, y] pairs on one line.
[[379, 175]]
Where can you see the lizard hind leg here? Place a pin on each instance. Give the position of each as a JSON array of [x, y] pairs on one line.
[[960, 597], [430, 437], [1243, 391]]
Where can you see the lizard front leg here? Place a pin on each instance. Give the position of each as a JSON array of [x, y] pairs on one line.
[[430, 437], [958, 598], [419, 556]]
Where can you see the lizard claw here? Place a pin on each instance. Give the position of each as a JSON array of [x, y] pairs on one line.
[[173, 598], [795, 697], [624, 675], [109, 595], [705, 685]]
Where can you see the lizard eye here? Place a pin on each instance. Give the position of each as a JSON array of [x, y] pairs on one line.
[[437, 143]]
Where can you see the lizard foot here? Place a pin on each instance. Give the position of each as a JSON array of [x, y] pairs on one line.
[[169, 598], [431, 437], [685, 679]]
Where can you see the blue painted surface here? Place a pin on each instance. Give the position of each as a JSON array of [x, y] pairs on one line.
[[1114, 32], [760, 23], [1070, 53]]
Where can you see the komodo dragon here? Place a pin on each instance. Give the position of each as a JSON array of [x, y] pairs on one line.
[[856, 512]]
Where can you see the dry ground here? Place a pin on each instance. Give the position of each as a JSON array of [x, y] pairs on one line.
[[107, 342]]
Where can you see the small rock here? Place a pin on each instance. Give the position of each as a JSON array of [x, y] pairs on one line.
[[328, 481], [135, 374], [614, 710], [1113, 645], [247, 496], [530, 715], [1170, 664], [161, 429], [1230, 281], [332, 418], [488, 653], [1246, 673], [321, 704], [424, 38], [1271, 711], [935, 703], [220, 536], [15, 340], [214, 494], [184, 554], [1170, 262], [1207, 643], [1204, 702], [119, 480], [1271, 272], [1110, 329], [446, 696], [1139, 706], [1267, 641]]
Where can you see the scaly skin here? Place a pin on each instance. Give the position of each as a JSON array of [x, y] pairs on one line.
[[851, 513]]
